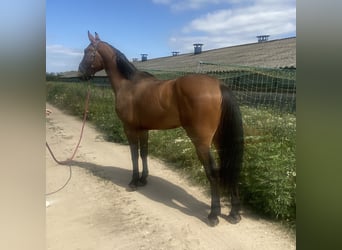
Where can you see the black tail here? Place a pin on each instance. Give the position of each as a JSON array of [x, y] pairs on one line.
[[230, 140]]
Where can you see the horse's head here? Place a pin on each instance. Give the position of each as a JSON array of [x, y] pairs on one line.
[[92, 61]]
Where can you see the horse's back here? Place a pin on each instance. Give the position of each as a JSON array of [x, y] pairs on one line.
[[198, 88], [198, 83]]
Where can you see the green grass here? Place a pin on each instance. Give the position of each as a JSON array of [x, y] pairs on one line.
[[268, 178]]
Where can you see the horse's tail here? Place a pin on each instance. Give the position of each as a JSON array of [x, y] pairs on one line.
[[230, 140]]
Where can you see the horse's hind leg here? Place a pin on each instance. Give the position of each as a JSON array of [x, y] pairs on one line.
[[234, 215], [212, 173]]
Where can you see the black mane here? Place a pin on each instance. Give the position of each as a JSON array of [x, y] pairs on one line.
[[126, 68]]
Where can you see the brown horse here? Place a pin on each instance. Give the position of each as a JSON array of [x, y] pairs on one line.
[[205, 108]]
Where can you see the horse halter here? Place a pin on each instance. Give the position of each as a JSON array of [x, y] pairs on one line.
[[94, 51], [93, 55]]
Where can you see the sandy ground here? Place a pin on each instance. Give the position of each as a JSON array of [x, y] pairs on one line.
[[94, 211]]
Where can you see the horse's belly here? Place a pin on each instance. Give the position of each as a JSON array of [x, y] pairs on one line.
[[166, 121]]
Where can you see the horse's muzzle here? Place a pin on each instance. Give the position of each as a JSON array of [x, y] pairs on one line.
[[83, 75]]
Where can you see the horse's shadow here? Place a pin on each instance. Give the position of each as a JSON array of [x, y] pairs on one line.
[[157, 189]]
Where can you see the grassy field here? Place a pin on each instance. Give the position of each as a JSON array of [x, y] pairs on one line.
[[268, 180]]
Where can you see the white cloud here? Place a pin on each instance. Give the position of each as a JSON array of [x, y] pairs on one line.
[[183, 5], [60, 58], [239, 24], [60, 49], [243, 20]]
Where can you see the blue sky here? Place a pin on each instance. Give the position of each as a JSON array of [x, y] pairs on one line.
[[157, 27]]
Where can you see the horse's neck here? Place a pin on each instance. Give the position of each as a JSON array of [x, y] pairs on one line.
[[115, 81], [115, 77]]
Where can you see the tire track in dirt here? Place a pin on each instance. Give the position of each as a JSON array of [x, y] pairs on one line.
[[94, 211]]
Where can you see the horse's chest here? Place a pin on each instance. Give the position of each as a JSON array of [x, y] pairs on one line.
[[124, 110]]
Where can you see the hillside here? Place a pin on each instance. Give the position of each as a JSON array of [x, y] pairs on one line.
[[271, 54]]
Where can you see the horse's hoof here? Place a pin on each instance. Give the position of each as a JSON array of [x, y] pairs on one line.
[[212, 220], [234, 219], [142, 182]]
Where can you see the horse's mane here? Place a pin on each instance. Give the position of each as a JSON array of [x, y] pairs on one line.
[[126, 68]]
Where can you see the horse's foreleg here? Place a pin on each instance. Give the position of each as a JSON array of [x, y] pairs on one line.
[[135, 176], [133, 140], [143, 140]]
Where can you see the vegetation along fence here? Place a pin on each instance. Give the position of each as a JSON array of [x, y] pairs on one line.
[[268, 106]]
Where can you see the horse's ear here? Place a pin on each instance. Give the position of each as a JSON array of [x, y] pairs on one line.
[[97, 37], [92, 39]]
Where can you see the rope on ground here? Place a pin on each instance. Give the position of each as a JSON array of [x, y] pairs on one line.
[[68, 161]]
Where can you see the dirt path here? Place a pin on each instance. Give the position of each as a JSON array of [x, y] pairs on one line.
[[94, 211]]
